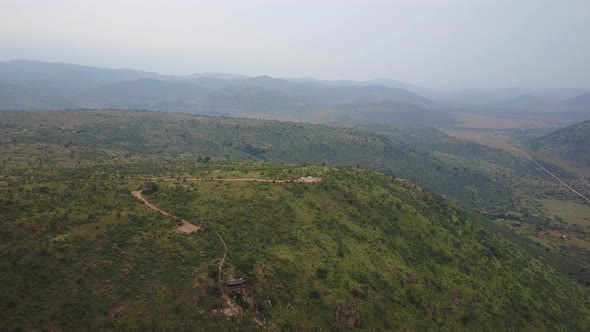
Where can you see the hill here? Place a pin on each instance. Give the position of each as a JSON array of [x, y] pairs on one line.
[[583, 99], [526, 98], [35, 85], [373, 82], [571, 144], [32, 96], [75, 86], [67, 77], [261, 140], [359, 250], [496, 97], [141, 94], [494, 183], [227, 76], [396, 114]]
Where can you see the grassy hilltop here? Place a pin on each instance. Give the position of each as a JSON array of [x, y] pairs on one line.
[[153, 133], [360, 249]]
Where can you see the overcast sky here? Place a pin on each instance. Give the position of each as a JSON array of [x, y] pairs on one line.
[[454, 43]]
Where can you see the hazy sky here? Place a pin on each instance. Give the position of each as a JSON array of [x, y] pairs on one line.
[[433, 43]]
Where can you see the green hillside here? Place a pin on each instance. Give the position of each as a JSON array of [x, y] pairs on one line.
[[359, 250], [570, 144], [258, 140], [506, 189]]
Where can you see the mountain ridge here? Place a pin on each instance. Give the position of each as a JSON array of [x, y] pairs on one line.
[[81, 82]]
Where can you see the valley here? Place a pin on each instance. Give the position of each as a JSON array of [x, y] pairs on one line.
[[294, 166]]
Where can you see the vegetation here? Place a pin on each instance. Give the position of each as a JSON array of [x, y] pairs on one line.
[[258, 140], [495, 183], [571, 144], [361, 249]]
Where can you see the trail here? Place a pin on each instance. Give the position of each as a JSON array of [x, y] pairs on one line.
[[313, 180], [223, 259], [556, 177], [21, 132], [185, 227], [232, 308]]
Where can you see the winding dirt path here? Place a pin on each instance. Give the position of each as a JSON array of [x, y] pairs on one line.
[[556, 177], [232, 308], [185, 226], [311, 180], [188, 228], [223, 259]]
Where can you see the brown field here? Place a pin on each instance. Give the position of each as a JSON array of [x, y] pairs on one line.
[[495, 139], [471, 120]]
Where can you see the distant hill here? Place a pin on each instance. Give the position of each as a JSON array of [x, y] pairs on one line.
[[323, 94], [383, 113], [369, 93], [142, 93], [583, 99], [31, 96], [377, 81], [26, 84], [571, 144], [225, 76], [65, 76], [508, 95], [526, 98]]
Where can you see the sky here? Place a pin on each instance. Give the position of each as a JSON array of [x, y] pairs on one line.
[[452, 43]]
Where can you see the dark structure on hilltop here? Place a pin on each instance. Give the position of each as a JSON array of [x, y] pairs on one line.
[[236, 282]]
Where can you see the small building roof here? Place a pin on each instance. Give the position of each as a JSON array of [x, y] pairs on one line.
[[236, 282]]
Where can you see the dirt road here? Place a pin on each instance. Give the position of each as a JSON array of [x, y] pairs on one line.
[[556, 177], [185, 227], [302, 180]]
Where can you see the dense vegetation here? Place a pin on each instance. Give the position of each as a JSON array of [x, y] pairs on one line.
[[361, 249], [262, 140], [571, 144], [497, 184]]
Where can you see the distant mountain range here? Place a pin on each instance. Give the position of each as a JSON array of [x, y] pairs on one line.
[[509, 96], [26, 84], [35, 85], [378, 81]]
